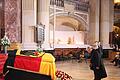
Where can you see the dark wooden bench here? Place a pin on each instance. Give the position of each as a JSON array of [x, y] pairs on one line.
[[22, 74]]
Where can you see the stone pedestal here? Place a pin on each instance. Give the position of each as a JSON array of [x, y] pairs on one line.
[[5, 49]]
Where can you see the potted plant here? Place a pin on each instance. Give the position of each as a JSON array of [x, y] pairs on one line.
[[5, 42]]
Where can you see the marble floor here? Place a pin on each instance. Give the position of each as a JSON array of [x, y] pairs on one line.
[[81, 71]]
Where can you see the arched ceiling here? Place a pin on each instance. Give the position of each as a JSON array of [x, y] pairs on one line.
[[69, 22]]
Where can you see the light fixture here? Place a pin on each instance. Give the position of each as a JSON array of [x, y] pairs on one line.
[[116, 1]]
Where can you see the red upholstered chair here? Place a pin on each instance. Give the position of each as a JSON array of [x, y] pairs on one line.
[[3, 58]]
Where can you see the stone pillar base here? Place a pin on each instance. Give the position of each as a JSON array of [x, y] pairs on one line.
[[14, 45]]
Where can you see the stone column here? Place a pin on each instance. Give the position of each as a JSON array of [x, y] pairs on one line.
[[43, 17], [12, 21], [106, 21], [94, 21], [2, 27], [29, 9]]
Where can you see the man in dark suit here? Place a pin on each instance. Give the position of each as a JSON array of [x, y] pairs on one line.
[[97, 64]]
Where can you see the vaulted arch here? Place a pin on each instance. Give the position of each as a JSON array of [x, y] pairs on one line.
[[73, 20]]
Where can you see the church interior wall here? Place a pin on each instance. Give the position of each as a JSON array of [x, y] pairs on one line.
[[30, 17]]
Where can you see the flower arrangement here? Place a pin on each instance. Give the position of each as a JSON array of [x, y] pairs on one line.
[[5, 41], [37, 52], [63, 75]]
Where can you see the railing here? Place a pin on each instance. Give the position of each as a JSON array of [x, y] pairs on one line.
[[82, 6], [59, 3], [79, 5]]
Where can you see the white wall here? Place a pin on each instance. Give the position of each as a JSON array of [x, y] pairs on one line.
[[61, 37]]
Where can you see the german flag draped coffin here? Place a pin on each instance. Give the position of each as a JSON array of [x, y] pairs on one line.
[[44, 63], [28, 63]]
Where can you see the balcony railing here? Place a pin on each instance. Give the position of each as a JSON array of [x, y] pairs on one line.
[[81, 6], [59, 3], [78, 5]]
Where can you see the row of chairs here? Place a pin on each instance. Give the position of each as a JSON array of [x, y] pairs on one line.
[[69, 56]]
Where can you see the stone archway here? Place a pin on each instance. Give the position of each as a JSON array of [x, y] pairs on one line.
[[66, 21], [76, 16]]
